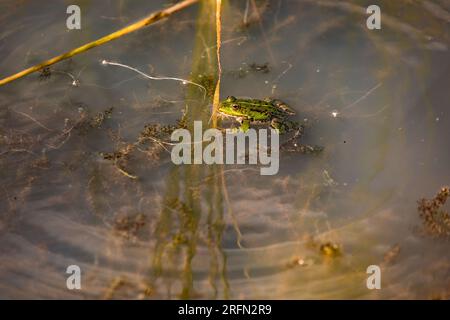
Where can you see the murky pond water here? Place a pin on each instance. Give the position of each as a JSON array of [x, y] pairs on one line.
[[140, 227]]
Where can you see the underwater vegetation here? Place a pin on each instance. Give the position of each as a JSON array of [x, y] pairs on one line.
[[435, 219]]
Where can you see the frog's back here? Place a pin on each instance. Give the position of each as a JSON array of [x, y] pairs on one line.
[[270, 109]]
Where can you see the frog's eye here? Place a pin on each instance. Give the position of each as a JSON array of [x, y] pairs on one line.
[[235, 107]]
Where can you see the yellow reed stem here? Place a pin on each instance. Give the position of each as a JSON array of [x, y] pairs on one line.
[[216, 98]]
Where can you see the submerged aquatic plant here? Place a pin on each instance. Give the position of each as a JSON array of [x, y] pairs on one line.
[[128, 226], [251, 68], [436, 221]]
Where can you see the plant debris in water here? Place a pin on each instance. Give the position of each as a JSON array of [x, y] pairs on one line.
[[247, 69], [128, 226], [253, 13], [436, 221], [120, 158], [45, 74], [115, 285], [330, 249], [97, 120], [157, 131], [152, 141], [123, 288], [91, 122], [301, 148]]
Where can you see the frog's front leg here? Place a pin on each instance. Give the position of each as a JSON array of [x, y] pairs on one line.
[[245, 125], [277, 125]]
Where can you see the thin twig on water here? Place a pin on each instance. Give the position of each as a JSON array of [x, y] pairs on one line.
[[105, 62]]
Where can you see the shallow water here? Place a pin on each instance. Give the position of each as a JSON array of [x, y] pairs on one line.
[[225, 231]]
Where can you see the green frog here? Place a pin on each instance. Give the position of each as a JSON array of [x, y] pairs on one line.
[[272, 112]]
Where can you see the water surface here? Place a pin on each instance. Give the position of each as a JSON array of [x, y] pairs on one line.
[[377, 101]]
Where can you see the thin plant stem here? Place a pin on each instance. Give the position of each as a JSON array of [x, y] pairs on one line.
[[105, 62], [216, 98]]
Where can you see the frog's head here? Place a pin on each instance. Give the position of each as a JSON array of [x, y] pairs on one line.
[[230, 107]]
